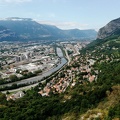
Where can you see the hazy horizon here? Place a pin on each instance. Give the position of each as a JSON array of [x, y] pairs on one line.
[[65, 14]]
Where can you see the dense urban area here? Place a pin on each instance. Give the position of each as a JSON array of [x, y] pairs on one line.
[[21, 61]]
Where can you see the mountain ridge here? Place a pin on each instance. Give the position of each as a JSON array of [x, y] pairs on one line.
[[112, 28], [28, 29]]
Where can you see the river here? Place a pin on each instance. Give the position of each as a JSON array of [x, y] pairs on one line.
[[39, 77]]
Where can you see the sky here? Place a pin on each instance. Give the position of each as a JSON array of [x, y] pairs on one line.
[[65, 14]]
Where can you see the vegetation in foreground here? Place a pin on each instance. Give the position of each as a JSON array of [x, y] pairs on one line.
[[98, 100]]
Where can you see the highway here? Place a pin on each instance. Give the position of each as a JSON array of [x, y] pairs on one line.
[[40, 77]]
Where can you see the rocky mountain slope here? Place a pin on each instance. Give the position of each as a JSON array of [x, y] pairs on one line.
[[112, 28], [27, 29], [7, 34]]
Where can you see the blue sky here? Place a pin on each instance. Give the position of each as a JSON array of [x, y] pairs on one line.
[[65, 14]]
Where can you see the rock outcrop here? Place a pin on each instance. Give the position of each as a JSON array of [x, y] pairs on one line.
[[112, 28]]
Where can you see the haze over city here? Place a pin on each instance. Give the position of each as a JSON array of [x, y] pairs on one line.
[[65, 14]]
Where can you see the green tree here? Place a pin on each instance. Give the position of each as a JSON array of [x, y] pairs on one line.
[[13, 78]]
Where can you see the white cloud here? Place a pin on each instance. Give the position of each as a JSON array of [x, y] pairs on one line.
[[66, 25], [14, 1]]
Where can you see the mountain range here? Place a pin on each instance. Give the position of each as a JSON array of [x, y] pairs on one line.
[[27, 29]]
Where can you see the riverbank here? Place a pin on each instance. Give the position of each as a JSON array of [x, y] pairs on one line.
[[40, 77]]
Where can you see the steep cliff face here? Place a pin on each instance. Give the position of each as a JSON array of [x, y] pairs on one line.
[[112, 28]]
